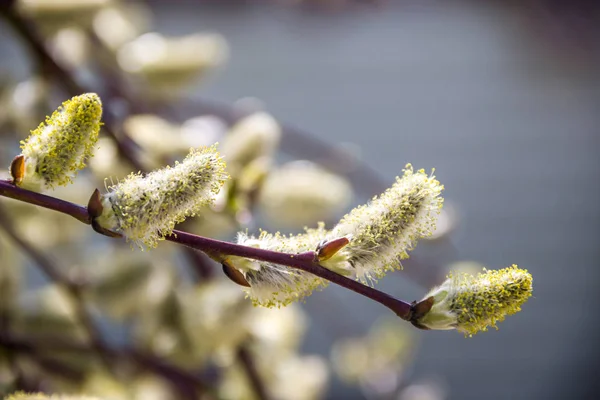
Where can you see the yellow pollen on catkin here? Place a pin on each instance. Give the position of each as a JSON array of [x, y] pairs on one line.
[[471, 304], [58, 148], [146, 208], [382, 232]]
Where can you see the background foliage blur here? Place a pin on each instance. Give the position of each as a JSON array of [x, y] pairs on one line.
[[500, 97]]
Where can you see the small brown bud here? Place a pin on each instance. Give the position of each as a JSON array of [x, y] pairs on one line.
[[234, 274], [330, 248], [17, 169], [94, 206]]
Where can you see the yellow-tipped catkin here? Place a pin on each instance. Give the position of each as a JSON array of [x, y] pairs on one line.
[[58, 148], [383, 231], [146, 208], [471, 303], [274, 285]]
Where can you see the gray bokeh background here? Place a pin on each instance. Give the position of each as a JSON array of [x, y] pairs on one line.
[[506, 115]]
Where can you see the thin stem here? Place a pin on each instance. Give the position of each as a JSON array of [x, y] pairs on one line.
[[303, 261], [7, 189]]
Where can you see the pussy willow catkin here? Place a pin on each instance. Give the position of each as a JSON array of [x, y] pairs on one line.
[[145, 208], [471, 304], [384, 230], [59, 146]]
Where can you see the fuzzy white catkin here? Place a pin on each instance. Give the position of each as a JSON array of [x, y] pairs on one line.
[[384, 230], [274, 285], [146, 208], [252, 137], [171, 63]]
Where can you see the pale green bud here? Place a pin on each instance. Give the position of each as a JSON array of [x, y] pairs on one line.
[[145, 208], [274, 285], [121, 22], [162, 138], [277, 331], [59, 147], [300, 193], [167, 63], [252, 137], [155, 135], [71, 47], [387, 347], [383, 231], [297, 377], [471, 303]]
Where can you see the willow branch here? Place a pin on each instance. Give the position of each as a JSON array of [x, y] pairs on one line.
[[7, 189], [304, 261]]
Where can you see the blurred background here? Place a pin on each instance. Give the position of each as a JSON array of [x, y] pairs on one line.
[[317, 106]]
